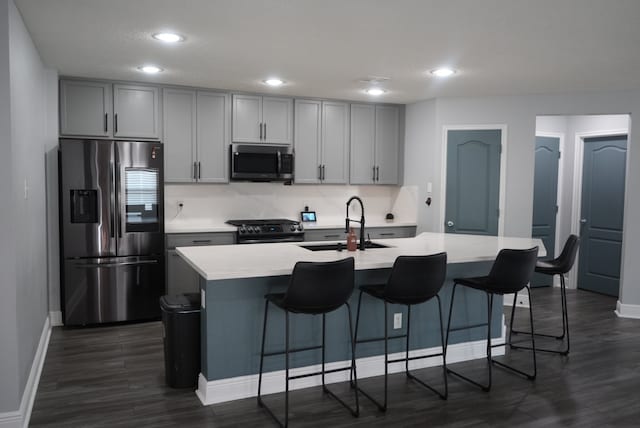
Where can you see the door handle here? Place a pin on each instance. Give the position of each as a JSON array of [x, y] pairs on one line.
[[116, 264], [260, 125], [199, 170], [265, 131], [377, 173], [374, 173], [450, 223], [112, 200], [115, 123], [583, 220], [106, 119], [322, 172]]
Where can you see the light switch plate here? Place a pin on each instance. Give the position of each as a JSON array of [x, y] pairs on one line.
[[397, 320], [203, 298]]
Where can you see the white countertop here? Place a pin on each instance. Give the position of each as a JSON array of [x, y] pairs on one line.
[[182, 226], [218, 262]]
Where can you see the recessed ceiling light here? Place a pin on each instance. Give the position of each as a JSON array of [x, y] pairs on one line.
[[150, 69], [443, 72], [375, 91], [274, 82], [168, 37]]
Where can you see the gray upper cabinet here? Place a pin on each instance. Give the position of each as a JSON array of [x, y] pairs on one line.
[[179, 121], [321, 141], [374, 144], [258, 119], [213, 136], [85, 108], [196, 135], [102, 109], [136, 111]]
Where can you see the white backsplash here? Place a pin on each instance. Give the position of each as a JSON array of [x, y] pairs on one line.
[[214, 203]]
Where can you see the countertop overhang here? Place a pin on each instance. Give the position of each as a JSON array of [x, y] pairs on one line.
[[220, 262]]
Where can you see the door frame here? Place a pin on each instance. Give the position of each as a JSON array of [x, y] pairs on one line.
[[576, 202], [559, 194], [503, 170]]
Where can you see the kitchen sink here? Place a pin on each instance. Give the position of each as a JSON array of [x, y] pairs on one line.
[[340, 246]]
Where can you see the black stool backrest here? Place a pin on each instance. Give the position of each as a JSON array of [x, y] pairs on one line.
[[320, 287], [512, 269], [564, 262], [416, 279]]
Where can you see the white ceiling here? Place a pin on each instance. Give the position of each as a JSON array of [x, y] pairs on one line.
[[323, 48]]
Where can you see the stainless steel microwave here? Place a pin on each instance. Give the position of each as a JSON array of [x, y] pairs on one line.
[[261, 162]]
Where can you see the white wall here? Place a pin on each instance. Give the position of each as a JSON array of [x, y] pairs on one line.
[[519, 114], [23, 247]]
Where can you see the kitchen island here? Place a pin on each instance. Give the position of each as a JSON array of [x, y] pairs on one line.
[[234, 280]]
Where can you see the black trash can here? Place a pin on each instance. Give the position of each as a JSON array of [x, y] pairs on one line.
[[181, 320]]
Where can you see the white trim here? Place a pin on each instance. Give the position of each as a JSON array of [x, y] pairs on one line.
[[56, 318], [576, 202], [503, 171], [21, 417], [219, 391], [627, 311]]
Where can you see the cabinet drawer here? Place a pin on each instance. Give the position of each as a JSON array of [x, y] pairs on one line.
[[392, 232], [325, 235], [195, 239]]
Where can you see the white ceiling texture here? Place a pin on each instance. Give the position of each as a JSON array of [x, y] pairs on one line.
[[324, 48]]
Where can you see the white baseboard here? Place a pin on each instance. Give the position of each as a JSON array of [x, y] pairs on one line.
[[627, 311], [21, 417], [523, 300], [56, 318], [219, 391]]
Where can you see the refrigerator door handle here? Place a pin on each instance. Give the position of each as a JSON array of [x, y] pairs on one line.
[[116, 264], [117, 192], [112, 207]]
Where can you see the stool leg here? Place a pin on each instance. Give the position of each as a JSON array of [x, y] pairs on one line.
[[386, 355], [355, 336], [530, 376], [353, 361], [565, 325], [489, 310], [324, 323], [286, 351], [513, 315], [264, 333], [408, 373], [444, 351]]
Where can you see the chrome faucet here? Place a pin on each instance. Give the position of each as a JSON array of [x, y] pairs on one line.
[[348, 220]]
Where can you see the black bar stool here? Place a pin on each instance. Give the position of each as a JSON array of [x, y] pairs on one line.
[[315, 288], [510, 273], [413, 280], [558, 266]]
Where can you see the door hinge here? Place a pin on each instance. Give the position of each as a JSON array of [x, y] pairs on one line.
[[557, 209], [559, 155]]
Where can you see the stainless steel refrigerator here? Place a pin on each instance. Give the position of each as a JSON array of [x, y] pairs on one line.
[[112, 230]]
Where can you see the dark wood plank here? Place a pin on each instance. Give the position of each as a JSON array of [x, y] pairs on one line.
[[114, 376]]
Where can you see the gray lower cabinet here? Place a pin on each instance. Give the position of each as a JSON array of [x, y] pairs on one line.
[[385, 232], [321, 138], [375, 142], [196, 135], [181, 278], [107, 110]]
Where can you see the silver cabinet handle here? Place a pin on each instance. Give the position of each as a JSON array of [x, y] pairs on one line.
[[377, 173], [115, 123], [320, 172], [265, 131], [199, 170], [374, 173], [260, 130], [201, 241], [388, 234], [195, 170], [331, 236], [450, 223], [106, 119]]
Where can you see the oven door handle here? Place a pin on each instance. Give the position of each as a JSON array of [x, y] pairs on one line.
[[279, 167], [272, 240], [117, 264]]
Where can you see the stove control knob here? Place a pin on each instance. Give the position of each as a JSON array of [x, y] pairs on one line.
[[249, 229], [299, 227], [242, 230], [293, 227]]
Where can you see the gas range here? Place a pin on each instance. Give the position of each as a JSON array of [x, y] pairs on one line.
[[268, 230]]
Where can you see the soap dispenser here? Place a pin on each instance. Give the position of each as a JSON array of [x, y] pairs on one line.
[[352, 241]]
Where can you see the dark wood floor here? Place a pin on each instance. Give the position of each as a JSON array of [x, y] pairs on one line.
[[114, 377]]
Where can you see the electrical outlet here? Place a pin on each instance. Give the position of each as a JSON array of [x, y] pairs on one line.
[[180, 204], [397, 320]]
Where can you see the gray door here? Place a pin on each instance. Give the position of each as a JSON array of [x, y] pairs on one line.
[[545, 193], [473, 181], [603, 182]]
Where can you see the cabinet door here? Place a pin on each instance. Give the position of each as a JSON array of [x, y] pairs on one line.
[[387, 144], [213, 136], [136, 111], [277, 119], [363, 118], [335, 142], [307, 141], [181, 278], [85, 108], [179, 123], [247, 118]]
